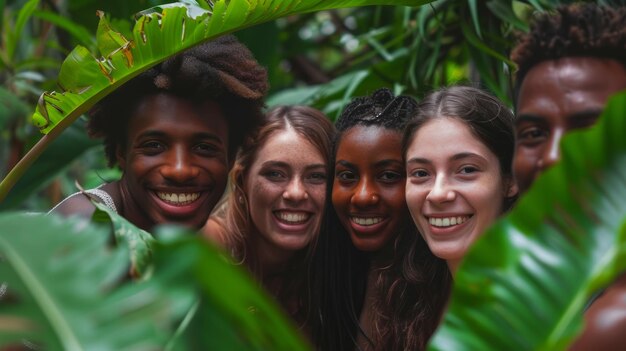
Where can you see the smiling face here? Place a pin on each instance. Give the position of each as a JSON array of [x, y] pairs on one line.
[[286, 189], [557, 96], [454, 187], [175, 162], [368, 190]]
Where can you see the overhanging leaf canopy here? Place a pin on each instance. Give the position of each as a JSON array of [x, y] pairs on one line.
[[157, 35], [524, 285]]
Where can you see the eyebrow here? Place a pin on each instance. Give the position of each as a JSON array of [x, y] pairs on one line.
[[196, 136], [532, 118], [584, 114], [273, 163], [455, 157], [381, 163]]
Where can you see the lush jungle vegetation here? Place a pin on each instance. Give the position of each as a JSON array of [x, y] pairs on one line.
[[68, 287]]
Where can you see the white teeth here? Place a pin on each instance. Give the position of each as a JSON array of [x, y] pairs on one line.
[[447, 221], [293, 217], [366, 220], [179, 199]]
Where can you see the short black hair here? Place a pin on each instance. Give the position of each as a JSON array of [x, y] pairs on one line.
[[382, 109], [222, 70], [583, 30]]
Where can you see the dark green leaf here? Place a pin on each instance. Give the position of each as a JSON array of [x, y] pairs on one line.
[[69, 146]]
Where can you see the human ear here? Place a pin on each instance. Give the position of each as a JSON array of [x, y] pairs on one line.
[[512, 189]]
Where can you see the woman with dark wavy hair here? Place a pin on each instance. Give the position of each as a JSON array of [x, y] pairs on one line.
[[459, 154]]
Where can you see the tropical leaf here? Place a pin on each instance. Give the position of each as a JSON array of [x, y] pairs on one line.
[[54, 276], [524, 285], [67, 290], [156, 36], [137, 241], [233, 313], [59, 154]]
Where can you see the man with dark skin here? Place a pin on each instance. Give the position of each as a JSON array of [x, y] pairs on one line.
[[569, 64], [174, 131]]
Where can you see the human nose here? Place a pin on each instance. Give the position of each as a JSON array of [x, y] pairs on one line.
[[365, 194], [441, 191], [295, 191], [552, 154], [179, 166]]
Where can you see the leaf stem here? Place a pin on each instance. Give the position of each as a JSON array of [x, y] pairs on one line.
[[32, 155]]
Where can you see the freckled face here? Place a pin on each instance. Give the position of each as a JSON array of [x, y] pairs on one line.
[[555, 97], [175, 163], [286, 189], [368, 190], [454, 187]]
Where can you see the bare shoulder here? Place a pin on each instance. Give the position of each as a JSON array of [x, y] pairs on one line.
[[214, 231], [605, 320], [76, 204]]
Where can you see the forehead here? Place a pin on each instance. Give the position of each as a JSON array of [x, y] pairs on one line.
[[368, 141], [288, 145], [173, 114], [567, 87], [444, 137]]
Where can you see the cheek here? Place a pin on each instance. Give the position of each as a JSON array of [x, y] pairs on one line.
[[339, 196], [489, 202], [395, 197], [414, 198], [262, 193], [318, 195], [139, 165]]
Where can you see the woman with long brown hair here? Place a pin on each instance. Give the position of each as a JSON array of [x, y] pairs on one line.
[[272, 216]]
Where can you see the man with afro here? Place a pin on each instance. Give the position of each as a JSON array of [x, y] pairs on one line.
[[174, 131]]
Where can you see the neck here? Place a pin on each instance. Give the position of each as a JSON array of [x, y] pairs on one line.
[[381, 257], [453, 265], [272, 260]]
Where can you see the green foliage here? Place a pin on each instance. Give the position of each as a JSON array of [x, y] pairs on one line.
[[524, 284], [68, 289]]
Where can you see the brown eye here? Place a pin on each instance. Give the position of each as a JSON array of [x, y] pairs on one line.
[[532, 135], [346, 176]]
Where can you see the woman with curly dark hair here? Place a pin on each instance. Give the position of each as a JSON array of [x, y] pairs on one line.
[[174, 131], [369, 283]]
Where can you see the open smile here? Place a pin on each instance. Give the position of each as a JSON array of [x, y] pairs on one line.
[[292, 217], [366, 221], [447, 221], [178, 199]]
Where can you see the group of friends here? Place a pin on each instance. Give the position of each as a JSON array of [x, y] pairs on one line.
[[355, 228]]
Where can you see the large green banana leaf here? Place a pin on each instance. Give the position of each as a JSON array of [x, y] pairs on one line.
[[68, 290], [158, 34], [524, 285]]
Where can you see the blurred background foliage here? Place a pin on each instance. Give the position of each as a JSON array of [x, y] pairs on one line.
[[321, 59]]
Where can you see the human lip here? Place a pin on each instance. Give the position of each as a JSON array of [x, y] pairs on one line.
[[366, 221], [447, 220], [367, 224], [178, 199], [180, 203], [292, 217]]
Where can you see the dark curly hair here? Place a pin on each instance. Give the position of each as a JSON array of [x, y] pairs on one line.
[[381, 109], [222, 70], [342, 269], [589, 30]]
